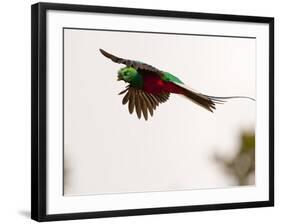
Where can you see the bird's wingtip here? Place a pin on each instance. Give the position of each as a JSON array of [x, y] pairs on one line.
[[104, 53]]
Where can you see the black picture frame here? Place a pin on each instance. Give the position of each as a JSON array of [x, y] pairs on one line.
[[38, 108]]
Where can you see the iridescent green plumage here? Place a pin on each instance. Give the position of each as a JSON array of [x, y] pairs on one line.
[[131, 75], [168, 77]]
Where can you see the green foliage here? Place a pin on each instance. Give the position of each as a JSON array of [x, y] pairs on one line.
[[242, 165], [247, 141]]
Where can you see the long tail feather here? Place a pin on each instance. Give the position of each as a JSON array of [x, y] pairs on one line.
[[201, 100], [206, 101], [223, 98]]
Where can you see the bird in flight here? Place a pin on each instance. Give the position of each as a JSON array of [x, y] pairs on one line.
[[148, 87]]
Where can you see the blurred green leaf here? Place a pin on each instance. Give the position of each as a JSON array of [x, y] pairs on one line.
[[242, 165]]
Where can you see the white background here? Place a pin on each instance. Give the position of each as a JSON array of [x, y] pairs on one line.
[[177, 150], [15, 112]]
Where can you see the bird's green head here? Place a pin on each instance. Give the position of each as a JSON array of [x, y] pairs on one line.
[[128, 74]]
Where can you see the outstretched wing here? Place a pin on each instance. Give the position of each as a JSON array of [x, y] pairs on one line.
[[131, 63], [142, 102]]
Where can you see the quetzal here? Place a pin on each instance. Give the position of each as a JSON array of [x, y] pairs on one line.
[[149, 86]]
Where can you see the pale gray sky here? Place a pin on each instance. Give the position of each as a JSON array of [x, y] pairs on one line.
[[107, 150]]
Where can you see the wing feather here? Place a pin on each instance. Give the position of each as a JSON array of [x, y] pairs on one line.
[[131, 104], [126, 97], [138, 104], [154, 99], [143, 106], [147, 102], [143, 102], [132, 63]]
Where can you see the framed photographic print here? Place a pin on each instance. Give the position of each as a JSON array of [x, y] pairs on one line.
[[140, 111]]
